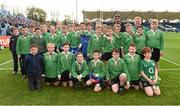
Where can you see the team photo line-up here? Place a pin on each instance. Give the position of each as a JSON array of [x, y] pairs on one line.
[[75, 55]]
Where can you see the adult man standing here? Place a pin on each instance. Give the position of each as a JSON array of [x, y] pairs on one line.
[[117, 20]]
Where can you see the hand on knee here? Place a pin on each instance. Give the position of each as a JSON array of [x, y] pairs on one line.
[[97, 88], [88, 83]]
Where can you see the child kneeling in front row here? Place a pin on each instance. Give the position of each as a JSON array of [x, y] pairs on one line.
[[97, 72], [79, 71], [149, 73]]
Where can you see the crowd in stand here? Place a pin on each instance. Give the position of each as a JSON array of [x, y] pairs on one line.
[[8, 20]]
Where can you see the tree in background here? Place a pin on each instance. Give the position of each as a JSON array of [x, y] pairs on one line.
[[36, 14]]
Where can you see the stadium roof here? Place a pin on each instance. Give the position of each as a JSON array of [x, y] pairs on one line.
[[130, 14]]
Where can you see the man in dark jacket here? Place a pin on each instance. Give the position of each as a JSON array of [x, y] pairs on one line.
[[12, 47], [117, 20], [34, 68]]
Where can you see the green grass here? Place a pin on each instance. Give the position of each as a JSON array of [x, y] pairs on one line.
[[14, 90]]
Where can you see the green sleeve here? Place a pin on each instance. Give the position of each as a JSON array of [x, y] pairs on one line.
[[162, 42], [58, 41], [59, 65], [102, 73], [73, 71], [107, 70], [103, 43], [125, 70], [86, 71]]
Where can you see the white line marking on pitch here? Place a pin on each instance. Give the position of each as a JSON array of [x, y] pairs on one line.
[[172, 62], [6, 63], [170, 69]]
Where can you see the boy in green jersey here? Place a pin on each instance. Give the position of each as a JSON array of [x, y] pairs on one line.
[[89, 29], [127, 38], [149, 74], [53, 38], [58, 28], [22, 49], [45, 34], [117, 73], [140, 41], [95, 42], [155, 41], [80, 70], [97, 72], [132, 61], [109, 43], [118, 36], [39, 41], [74, 39], [51, 66], [64, 37], [66, 59]]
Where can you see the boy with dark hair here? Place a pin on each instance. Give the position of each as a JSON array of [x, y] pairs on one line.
[[97, 72], [39, 41], [80, 70], [34, 68], [117, 73], [66, 59], [12, 47], [132, 61], [140, 41]]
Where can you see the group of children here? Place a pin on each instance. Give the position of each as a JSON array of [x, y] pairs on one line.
[[104, 58]]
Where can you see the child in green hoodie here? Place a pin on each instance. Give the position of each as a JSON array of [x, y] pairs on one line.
[[52, 74]]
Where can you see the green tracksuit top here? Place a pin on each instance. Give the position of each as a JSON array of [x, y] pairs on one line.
[[51, 65], [133, 65], [155, 39], [97, 68], [79, 68], [23, 45], [115, 68]]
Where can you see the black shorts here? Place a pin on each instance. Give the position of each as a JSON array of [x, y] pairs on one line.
[[65, 76], [106, 56], [134, 82], [145, 84], [155, 54], [115, 80], [51, 80]]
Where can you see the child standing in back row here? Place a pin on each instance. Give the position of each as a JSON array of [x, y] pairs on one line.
[[155, 41]]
